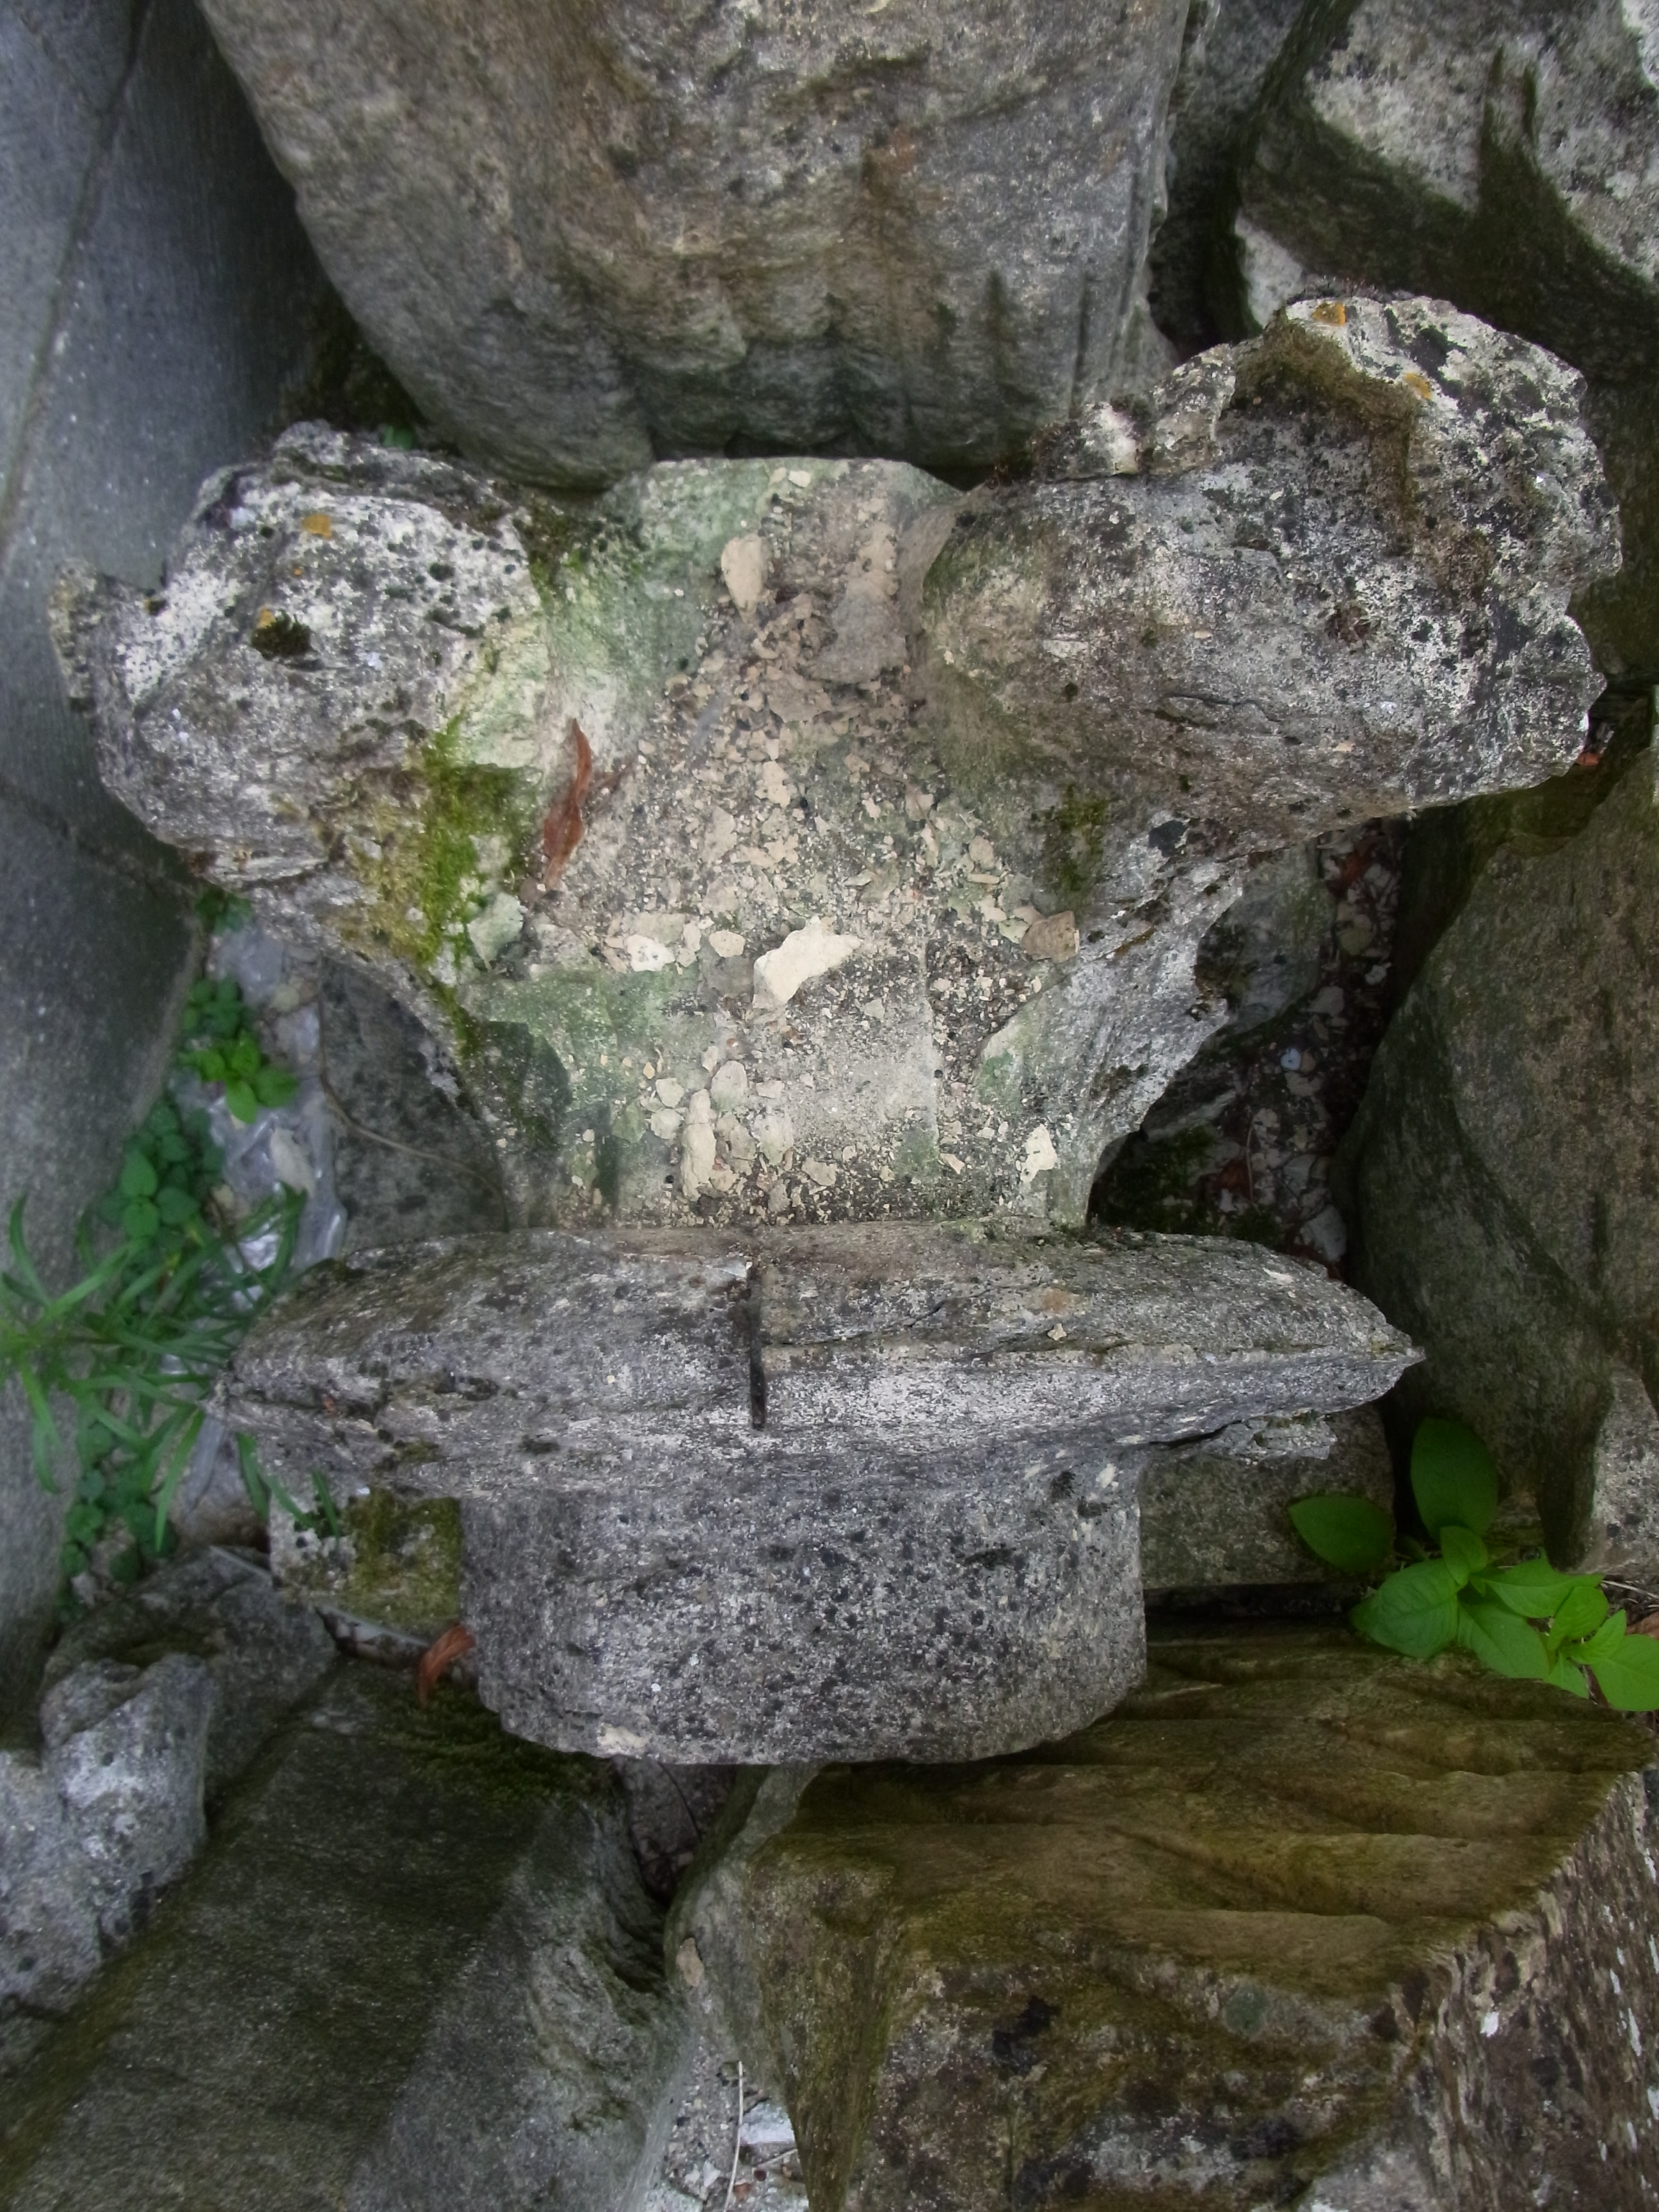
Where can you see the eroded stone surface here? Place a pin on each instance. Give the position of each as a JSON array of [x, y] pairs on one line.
[[1504, 1176], [415, 1969], [1243, 1141], [877, 829], [584, 240], [152, 1705], [1506, 157], [852, 1491], [1301, 1921], [48, 1920]]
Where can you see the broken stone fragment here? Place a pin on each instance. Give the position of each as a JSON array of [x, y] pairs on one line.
[[105, 1818], [416, 1973], [917, 229], [263, 1655], [127, 1752], [152, 1705], [854, 1492], [1503, 154], [925, 838], [1301, 1921]]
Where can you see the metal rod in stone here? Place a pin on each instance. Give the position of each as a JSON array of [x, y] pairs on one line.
[[916, 1535]]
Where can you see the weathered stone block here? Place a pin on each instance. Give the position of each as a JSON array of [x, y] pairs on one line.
[[153, 1704], [48, 1920], [1504, 1180], [415, 1969], [127, 1752], [1301, 1921], [582, 240], [845, 1491], [107, 1818], [807, 841]]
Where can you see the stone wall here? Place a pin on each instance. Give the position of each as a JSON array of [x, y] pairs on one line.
[[157, 290]]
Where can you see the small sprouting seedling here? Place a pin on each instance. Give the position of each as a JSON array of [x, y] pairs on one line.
[[220, 1047], [1523, 1620], [264, 1489]]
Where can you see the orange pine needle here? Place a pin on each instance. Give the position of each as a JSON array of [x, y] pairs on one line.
[[441, 1654], [562, 830]]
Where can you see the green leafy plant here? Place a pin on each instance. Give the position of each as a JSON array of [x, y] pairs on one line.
[[126, 1355], [220, 1047], [1522, 1620]]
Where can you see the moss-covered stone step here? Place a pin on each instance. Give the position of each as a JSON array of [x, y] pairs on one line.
[[1301, 1921], [415, 1968]]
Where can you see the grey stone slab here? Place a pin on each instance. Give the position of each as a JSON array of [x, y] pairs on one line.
[[917, 232], [415, 1968], [92, 967], [48, 135], [1231, 46], [90, 41], [852, 1490], [156, 290], [182, 309]]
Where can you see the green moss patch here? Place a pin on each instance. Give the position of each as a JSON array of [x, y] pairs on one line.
[[397, 1563], [425, 873]]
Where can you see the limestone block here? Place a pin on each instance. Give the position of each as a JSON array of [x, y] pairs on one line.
[[858, 1491], [1502, 156], [416, 1970], [1213, 1513], [879, 890], [581, 240], [1300, 1920], [1504, 1180]]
